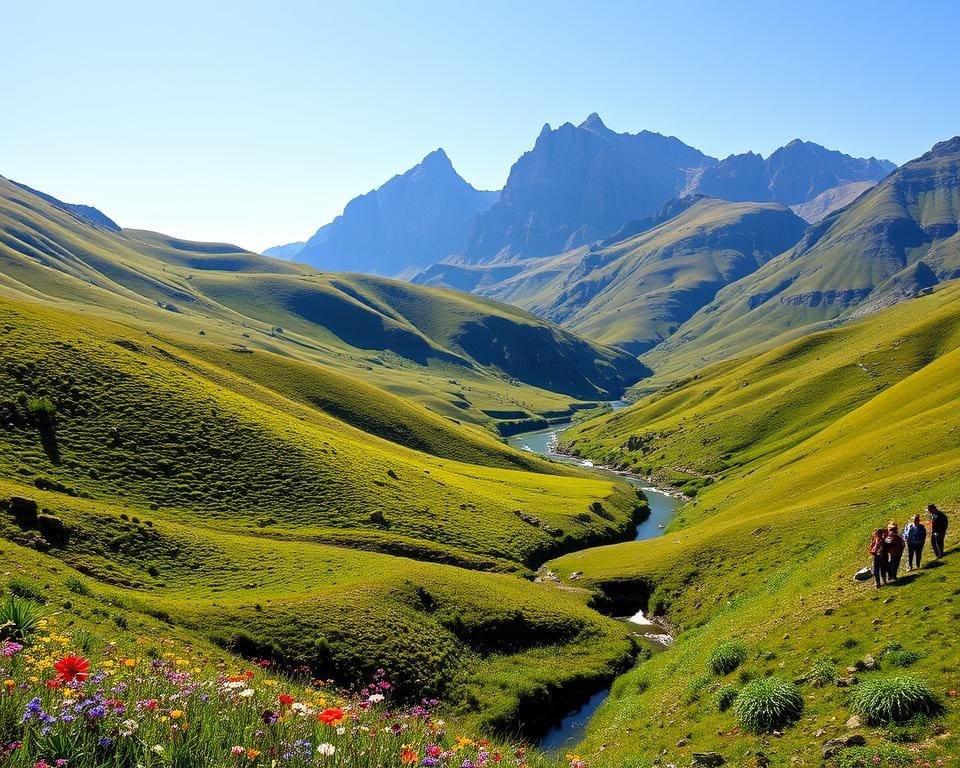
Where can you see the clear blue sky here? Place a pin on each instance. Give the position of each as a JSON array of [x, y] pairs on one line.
[[255, 122]]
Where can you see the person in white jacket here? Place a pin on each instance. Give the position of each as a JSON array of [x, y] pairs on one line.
[[915, 534]]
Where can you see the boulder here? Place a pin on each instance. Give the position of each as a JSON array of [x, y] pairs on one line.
[[52, 528], [708, 759], [854, 722], [24, 509], [864, 574], [831, 747]]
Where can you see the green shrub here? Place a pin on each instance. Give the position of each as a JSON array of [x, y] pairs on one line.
[[727, 656], [823, 672], [25, 589], [725, 697], [78, 586], [893, 699], [697, 686], [18, 617], [42, 411], [767, 704], [883, 755], [901, 658]]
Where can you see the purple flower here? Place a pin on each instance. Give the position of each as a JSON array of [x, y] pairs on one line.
[[97, 712], [9, 648], [106, 741], [428, 761]]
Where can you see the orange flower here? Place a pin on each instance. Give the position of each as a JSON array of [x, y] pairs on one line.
[[71, 668], [331, 716], [408, 755], [253, 754]]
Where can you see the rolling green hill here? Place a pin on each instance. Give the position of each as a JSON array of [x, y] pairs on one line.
[[418, 343], [635, 292], [793, 457], [897, 239]]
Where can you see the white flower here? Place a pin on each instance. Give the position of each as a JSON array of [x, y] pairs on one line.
[[300, 709], [375, 698], [341, 730], [246, 693], [326, 749], [234, 684], [157, 749], [128, 727]]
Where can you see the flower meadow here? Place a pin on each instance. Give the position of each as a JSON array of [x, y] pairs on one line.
[[170, 705]]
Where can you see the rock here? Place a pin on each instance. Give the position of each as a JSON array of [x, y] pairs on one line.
[[681, 742], [762, 760], [24, 509], [52, 528], [846, 682], [854, 722], [828, 612], [869, 662], [819, 732], [777, 734], [876, 621], [864, 574], [708, 759], [833, 746]]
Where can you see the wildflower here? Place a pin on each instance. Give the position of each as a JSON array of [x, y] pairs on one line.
[[128, 728], [341, 730], [9, 685], [9, 648], [157, 749], [72, 668], [246, 693], [41, 764], [375, 698], [253, 754], [331, 716], [285, 699], [104, 741], [176, 714], [408, 755], [237, 750], [326, 749]]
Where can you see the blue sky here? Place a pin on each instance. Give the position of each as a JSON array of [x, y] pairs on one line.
[[255, 122]]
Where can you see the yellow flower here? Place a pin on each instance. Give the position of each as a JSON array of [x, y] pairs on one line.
[[107, 663], [176, 713], [129, 662]]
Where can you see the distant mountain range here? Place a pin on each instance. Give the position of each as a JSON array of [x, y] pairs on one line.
[[577, 185], [415, 219]]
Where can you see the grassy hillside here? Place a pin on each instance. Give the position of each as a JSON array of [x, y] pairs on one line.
[[221, 492], [897, 239], [156, 282], [634, 292], [794, 457]]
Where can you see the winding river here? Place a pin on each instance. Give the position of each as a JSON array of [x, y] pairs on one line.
[[569, 731]]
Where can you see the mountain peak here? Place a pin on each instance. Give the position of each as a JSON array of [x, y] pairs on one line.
[[593, 123], [437, 159], [944, 148]]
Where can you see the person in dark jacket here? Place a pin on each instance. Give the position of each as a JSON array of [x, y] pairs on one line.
[[895, 546], [878, 549], [915, 534], [938, 529]]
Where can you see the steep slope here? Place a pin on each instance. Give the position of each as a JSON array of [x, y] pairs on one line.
[[288, 251], [413, 220], [792, 175], [239, 299], [899, 238], [816, 210], [634, 293], [795, 456], [579, 184]]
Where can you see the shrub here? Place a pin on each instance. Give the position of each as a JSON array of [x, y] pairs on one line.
[[18, 617], [25, 589], [78, 586], [727, 656], [901, 658], [42, 410], [823, 672], [768, 703], [893, 699], [725, 697], [697, 686]]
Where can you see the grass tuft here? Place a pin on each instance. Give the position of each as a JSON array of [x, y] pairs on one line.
[[768, 704], [894, 699], [727, 656]]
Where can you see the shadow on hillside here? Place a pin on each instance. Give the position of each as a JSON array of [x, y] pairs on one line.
[[48, 439], [904, 580], [934, 564]]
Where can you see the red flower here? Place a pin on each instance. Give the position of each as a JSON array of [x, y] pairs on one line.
[[285, 699], [331, 716], [72, 668]]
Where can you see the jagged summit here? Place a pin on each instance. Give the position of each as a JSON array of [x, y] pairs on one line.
[[593, 123]]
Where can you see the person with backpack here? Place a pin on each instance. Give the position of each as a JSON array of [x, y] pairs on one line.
[[894, 545], [878, 549], [915, 534], [938, 529]]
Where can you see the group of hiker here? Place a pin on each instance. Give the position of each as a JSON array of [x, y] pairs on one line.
[[887, 546]]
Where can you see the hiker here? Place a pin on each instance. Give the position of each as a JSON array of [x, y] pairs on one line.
[[895, 547], [938, 529], [878, 548], [916, 534]]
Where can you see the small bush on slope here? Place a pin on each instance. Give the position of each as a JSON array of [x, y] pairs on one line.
[[767, 704], [894, 699], [727, 656]]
